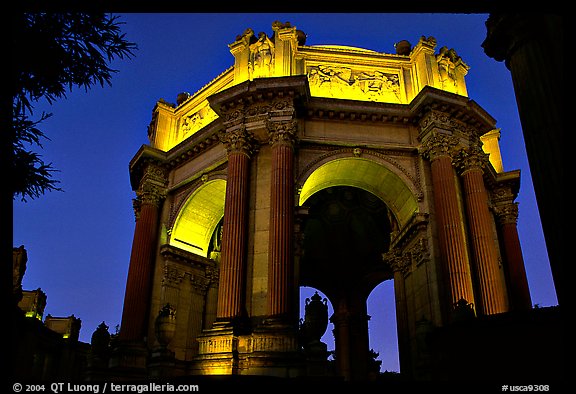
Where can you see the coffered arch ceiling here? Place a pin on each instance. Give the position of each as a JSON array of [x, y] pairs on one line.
[[364, 174], [198, 218]]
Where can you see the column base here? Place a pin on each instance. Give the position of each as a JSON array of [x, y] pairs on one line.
[[270, 349], [217, 351]]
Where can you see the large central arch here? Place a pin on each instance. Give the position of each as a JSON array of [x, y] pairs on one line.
[[346, 273], [367, 175]]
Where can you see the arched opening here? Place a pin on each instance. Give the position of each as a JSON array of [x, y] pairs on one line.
[[351, 208], [199, 217], [382, 326], [345, 233], [367, 175]]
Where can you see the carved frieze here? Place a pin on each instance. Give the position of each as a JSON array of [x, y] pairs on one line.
[[263, 110], [434, 118], [196, 120], [343, 82]]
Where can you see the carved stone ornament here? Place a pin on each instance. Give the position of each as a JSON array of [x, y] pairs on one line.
[[195, 121], [172, 276], [447, 60], [471, 158], [502, 194], [199, 284], [261, 63], [233, 116], [238, 140], [212, 274], [507, 214], [442, 120], [282, 132], [136, 205], [398, 261], [334, 81], [156, 173], [150, 193], [438, 145], [419, 252]]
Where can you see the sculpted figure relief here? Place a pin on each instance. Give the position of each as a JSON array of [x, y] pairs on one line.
[[447, 59], [261, 57], [197, 120], [343, 82]]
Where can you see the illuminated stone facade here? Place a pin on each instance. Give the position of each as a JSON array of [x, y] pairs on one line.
[[325, 166]]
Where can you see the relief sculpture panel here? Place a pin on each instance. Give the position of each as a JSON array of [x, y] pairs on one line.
[[343, 82]]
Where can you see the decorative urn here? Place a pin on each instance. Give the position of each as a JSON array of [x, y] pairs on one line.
[[315, 318], [165, 325]]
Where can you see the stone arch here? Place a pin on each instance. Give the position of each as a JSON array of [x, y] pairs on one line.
[[378, 178], [198, 218]]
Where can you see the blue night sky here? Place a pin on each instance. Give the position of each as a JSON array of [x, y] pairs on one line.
[[79, 240]]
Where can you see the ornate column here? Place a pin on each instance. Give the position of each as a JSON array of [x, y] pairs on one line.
[[150, 195], [531, 45], [518, 290], [281, 253], [239, 144], [491, 286], [450, 223]]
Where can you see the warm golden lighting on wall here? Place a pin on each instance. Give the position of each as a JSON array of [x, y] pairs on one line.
[[491, 146], [367, 175], [196, 221], [333, 71]]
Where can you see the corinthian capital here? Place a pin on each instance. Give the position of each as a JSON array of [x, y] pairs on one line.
[[152, 189], [150, 193], [238, 140], [507, 214], [283, 132], [471, 158], [398, 261], [438, 145]]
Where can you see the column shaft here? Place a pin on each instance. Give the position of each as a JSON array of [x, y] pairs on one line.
[[233, 258], [518, 290], [451, 231], [492, 290], [280, 263], [138, 285]]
